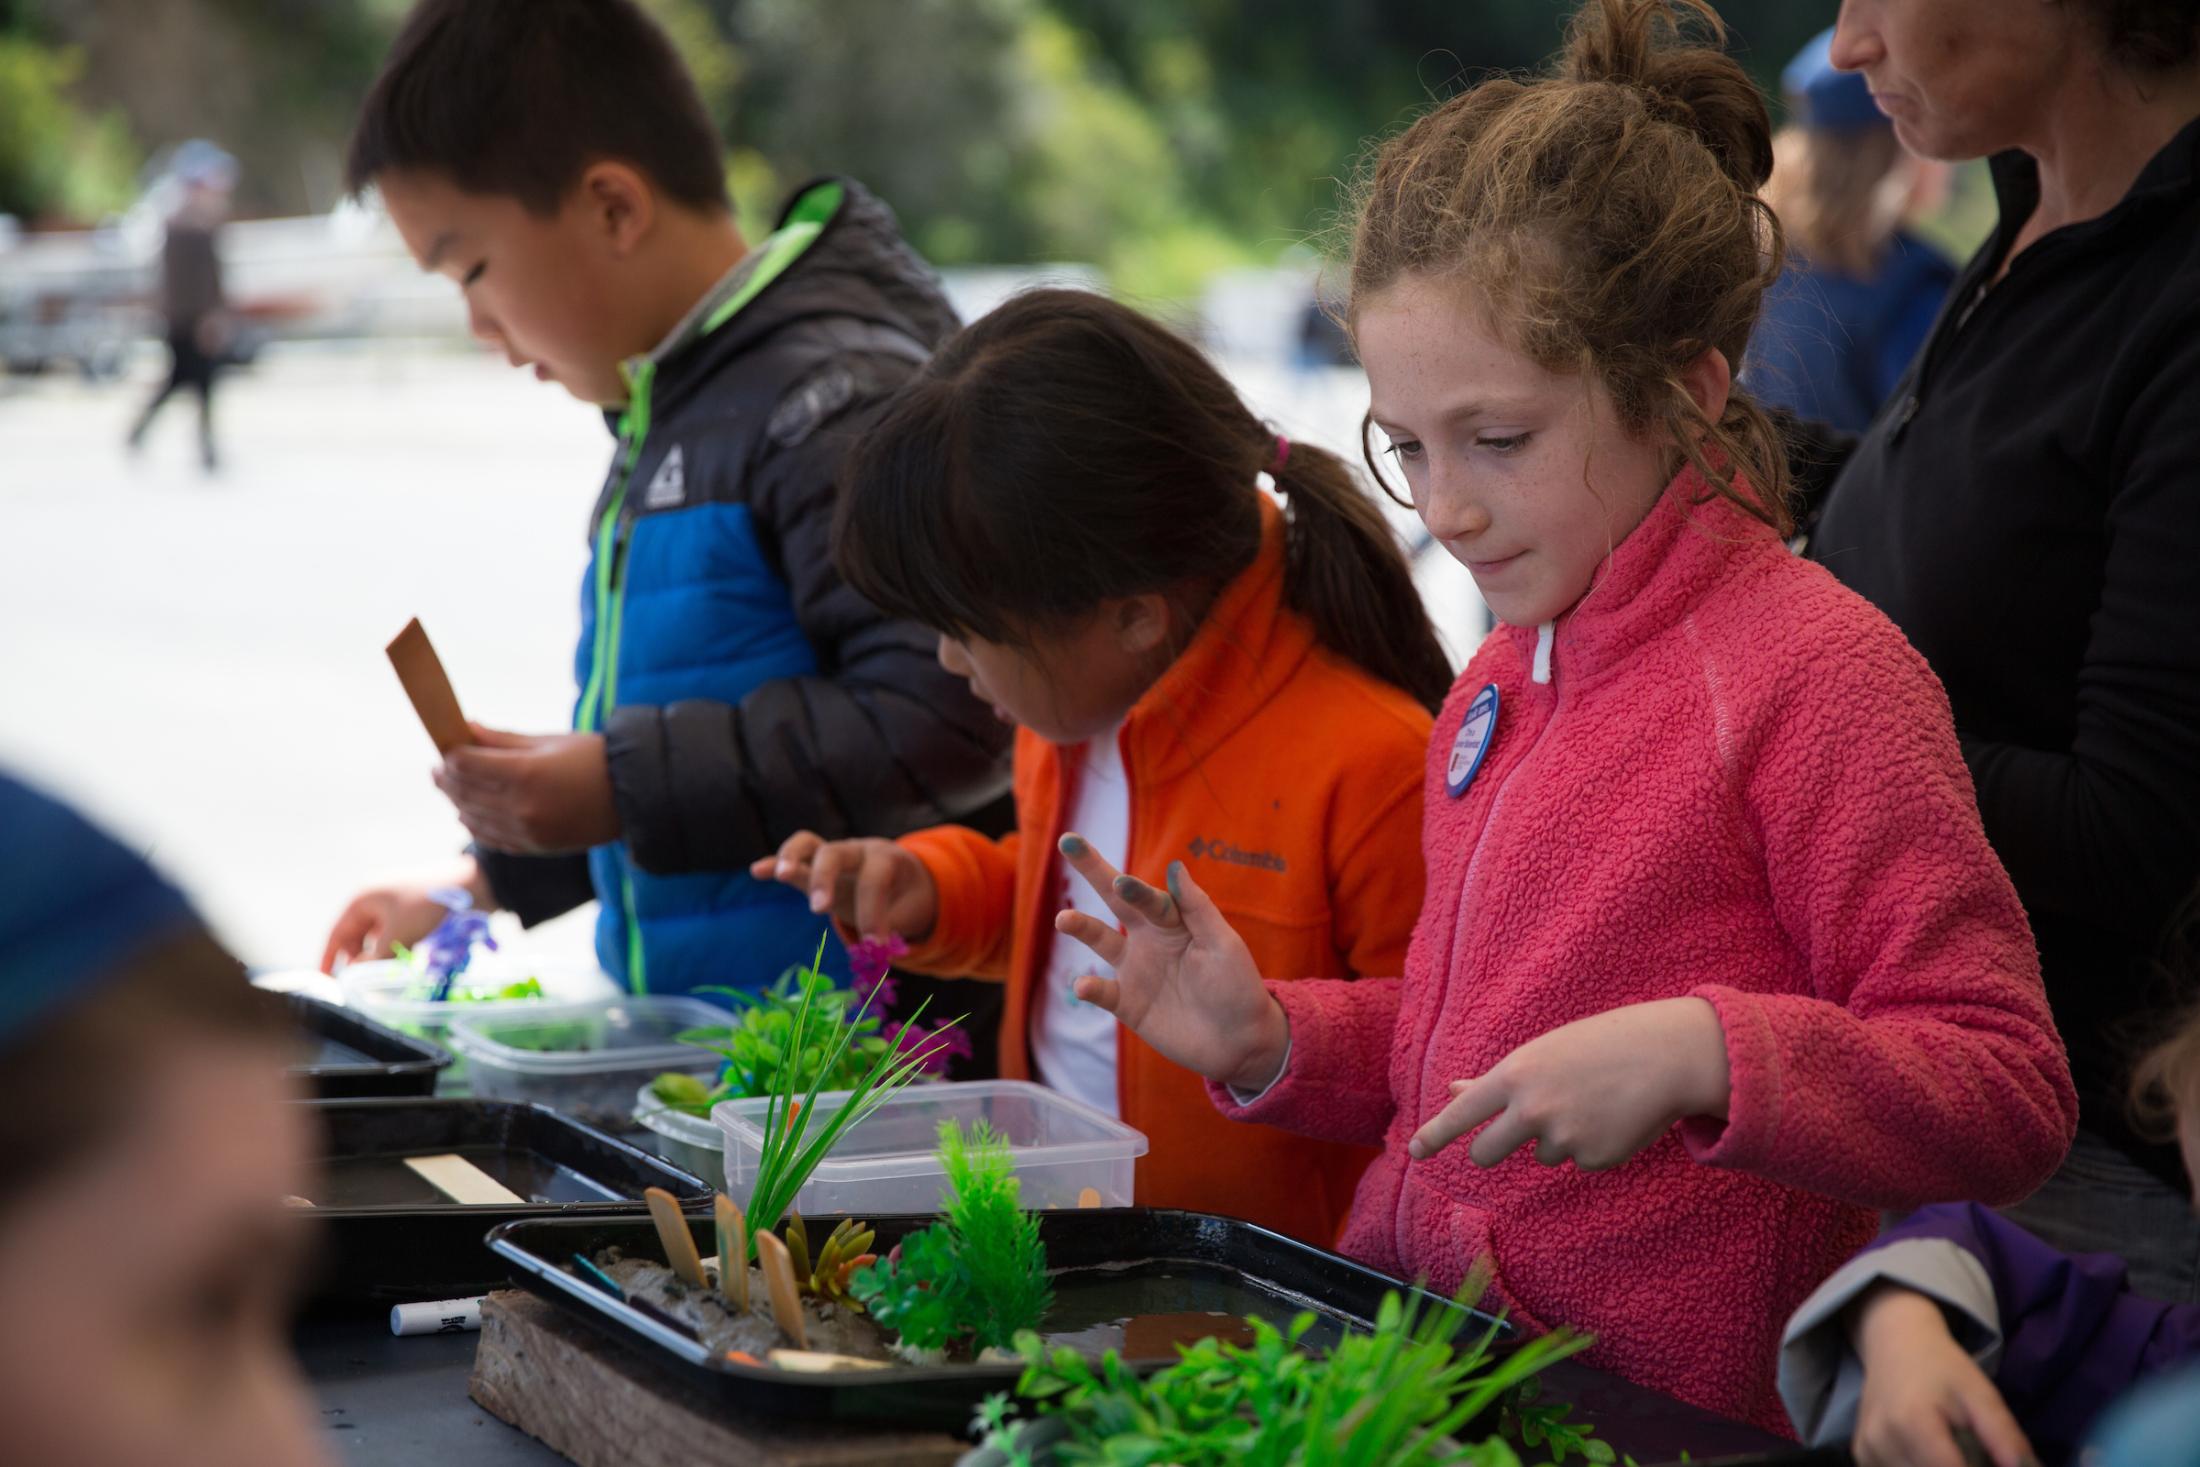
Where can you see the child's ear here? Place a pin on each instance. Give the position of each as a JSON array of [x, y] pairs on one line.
[[1709, 380], [1141, 622], [620, 205]]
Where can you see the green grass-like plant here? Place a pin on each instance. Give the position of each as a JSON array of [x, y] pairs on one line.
[[978, 1275], [1396, 1397], [789, 1153]]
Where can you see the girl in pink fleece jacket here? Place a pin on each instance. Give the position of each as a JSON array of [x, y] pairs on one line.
[[1714, 958]]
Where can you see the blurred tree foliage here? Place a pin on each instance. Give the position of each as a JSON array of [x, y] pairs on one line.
[[1160, 139], [57, 157]]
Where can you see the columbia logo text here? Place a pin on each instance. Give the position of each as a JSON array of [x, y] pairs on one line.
[[1222, 850]]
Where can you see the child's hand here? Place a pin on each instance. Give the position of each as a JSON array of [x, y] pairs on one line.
[[1184, 981], [871, 887], [383, 915], [1920, 1389], [531, 793], [1596, 1091]]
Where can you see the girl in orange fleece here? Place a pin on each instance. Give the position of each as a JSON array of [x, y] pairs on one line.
[[1069, 494]]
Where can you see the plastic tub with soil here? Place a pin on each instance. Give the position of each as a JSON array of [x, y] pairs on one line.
[[1136, 1280]]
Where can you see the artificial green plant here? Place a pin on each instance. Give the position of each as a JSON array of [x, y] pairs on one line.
[[846, 1252], [788, 1153], [760, 1051], [979, 1274], [757, 1044], [1396, 1397]]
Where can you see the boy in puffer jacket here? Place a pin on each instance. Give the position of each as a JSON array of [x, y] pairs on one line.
[[552, 157]]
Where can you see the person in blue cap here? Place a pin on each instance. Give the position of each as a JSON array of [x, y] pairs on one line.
[[146, 1267], [1860, 291]]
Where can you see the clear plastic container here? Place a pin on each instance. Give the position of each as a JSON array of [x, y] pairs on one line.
[[384, 990], [583, 1062], [692, 1143], [888, 1161]]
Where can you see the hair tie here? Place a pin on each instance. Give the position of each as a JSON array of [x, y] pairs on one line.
[[1283, 451]]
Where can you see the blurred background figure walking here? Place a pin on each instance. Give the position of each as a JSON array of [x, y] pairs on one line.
[[1860, 290], [191, 301]]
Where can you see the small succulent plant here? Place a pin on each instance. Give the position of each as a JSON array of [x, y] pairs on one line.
[[845, 1251]]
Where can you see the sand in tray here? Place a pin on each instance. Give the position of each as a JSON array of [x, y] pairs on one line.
[[723, 1327]]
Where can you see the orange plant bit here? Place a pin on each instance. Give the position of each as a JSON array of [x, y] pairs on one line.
[[794, 1109], [743, 1357]]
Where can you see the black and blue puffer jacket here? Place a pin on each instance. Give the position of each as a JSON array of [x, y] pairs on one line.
[[744, 691]]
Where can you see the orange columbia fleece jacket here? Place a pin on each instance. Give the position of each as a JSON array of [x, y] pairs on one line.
[[1288, 782]]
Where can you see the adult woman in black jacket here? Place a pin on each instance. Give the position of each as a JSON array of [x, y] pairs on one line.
[[2027, 509]]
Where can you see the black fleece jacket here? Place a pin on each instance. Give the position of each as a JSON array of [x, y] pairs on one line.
[[2027, 509]]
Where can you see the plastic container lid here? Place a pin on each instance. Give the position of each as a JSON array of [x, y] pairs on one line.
[[559, 1040], [682, 1139], [899, 1141], [382, 987]]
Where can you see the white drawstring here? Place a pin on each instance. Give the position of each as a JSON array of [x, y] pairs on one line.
[[1544, 636]]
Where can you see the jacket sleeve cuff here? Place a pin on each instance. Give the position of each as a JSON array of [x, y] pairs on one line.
[[1243, 1098], [1820, 1377], [535, 888], [1745, 1138], [960, 938], [1335, 1081], [640, 767]]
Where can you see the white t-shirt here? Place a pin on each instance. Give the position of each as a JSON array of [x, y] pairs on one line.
[[1073, 1042]]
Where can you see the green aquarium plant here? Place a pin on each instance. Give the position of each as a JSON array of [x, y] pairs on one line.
[[847, 1026], [1398, 1396], [789, 1153], [976, 1277]]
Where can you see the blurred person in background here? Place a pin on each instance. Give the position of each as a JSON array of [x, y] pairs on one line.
[[1860, 291], [192, 304], [146, 1145]]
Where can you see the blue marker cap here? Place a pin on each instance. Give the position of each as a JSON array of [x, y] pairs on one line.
[[1822, 97]]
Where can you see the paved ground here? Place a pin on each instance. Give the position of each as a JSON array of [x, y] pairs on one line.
[[199, 660]]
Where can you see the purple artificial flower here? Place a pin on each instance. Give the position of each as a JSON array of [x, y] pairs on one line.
[[936, 1046], [450, 948], [872, 960]]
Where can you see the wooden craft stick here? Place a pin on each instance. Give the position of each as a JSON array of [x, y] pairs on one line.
[[461, 1181], [672, 1231], [429, 687], [733, 1253], [778, 1268], [822, 1362]]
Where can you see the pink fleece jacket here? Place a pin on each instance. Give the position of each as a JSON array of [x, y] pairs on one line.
[[1729, 777]]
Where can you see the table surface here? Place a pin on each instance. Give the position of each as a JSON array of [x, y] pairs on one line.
[[403, 1400]]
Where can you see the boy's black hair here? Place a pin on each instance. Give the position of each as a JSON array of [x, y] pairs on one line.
[[519, 97]]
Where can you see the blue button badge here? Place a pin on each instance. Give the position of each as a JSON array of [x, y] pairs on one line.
[[1473, 741]]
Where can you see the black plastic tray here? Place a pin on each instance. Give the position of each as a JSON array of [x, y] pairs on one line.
[[384, 1254], [1295, 1275], [389, 1063]]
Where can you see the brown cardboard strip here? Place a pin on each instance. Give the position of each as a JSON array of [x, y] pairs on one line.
[[429, 687]]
